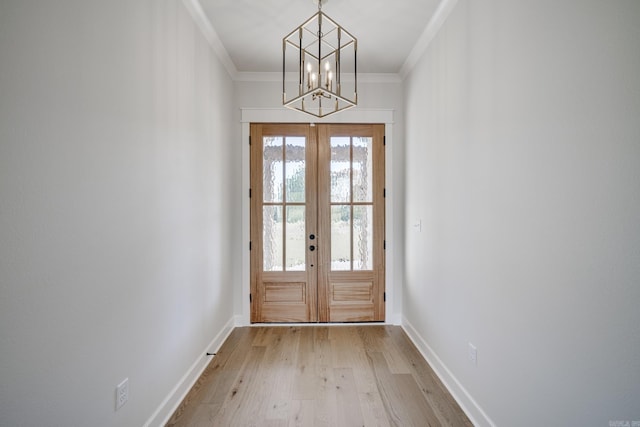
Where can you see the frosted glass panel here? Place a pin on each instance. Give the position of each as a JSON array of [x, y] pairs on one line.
[[272, 165], [295, 169], [272, 238], [295, 238], [362, 169], [341, 237], [340, 169], [363, 238]]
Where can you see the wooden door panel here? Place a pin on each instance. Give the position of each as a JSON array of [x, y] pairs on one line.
[[284, 313], [352, 313], [351, 301], [283, 181], [283, 298], [351, 185], [275, 292], [349, 293]]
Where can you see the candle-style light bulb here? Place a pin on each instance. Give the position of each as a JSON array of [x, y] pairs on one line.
[[309, 75], [330, 85], [326, 74], [313, 80]]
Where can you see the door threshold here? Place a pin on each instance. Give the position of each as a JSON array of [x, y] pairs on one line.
[[285, 324]]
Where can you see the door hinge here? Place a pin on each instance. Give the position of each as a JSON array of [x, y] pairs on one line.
[[384, 296], [249, 193], [384, 245], [250, 299], [384, 192], [250, 246], [384, 140], [249, 139]]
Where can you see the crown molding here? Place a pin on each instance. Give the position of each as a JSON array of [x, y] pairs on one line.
[[197, 14], [256, 76], [244, 76], [286, 115], [379, 78], [435, 23]]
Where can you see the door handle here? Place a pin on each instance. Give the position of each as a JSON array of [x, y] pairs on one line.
[[312, 248]]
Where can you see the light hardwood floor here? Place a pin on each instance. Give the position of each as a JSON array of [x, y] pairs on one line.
[[365, 375]]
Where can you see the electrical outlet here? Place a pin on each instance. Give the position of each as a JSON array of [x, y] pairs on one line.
[[122, 393], [473, 354]]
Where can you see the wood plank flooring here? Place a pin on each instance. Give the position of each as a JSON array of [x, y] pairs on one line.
[[331, 376]]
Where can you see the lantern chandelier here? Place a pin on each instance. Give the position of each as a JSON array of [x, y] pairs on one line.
[[319, 68]]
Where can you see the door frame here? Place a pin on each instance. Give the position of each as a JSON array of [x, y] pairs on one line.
[[283, 115]]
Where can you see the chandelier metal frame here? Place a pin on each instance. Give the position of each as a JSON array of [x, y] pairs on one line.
[[321, 90]]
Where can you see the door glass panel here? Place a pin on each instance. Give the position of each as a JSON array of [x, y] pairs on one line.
[[272, 164], [272, 242], [295, 238], [295, 169], [340, 169], [362, 169], [341, 237], [363, 237]]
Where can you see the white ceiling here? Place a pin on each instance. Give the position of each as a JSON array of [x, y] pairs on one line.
[[251, 31]]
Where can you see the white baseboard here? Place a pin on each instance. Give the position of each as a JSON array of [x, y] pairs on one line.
[[391, 320], [475, 413], [169, 405]]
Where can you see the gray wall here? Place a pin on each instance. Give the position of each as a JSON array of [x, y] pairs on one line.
[[522, 149], [116, 175]]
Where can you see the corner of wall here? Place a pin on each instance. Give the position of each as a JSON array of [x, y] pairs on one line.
[[169, 405], [202, 22], [439, 17], [475, 413]]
